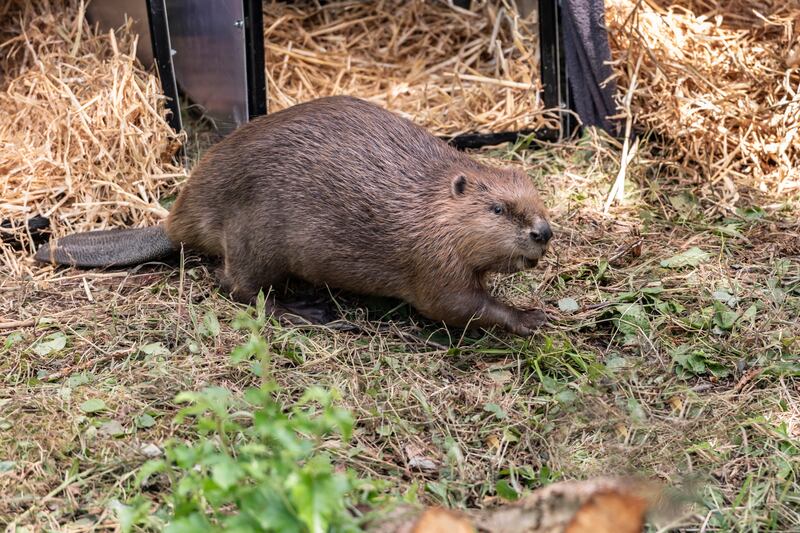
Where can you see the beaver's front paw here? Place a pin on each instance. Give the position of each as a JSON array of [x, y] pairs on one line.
[[528, 321]]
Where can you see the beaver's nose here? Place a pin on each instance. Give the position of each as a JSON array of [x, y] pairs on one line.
[[541, 232]]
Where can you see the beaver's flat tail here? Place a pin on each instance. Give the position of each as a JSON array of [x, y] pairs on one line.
[[108, 248]]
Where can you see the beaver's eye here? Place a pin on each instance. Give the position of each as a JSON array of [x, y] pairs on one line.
[[497, 209]]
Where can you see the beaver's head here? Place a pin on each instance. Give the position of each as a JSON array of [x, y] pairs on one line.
[[503, 224]]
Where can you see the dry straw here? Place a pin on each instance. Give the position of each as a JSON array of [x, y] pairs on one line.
[[83, 138], [449, 69], [719, 80]]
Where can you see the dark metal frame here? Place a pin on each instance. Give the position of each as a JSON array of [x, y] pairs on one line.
[[162, 54], [254, 49], [555, 86], [254, 44]]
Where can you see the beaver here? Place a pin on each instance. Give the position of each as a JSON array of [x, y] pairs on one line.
[[341, 192]]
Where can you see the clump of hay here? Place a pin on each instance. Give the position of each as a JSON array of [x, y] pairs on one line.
[[83, 136], [719, 80], [449, 69]]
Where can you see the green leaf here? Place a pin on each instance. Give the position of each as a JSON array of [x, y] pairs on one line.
[[76, 380], [631, 321], [751, 213], [226, 472], [695, 362], [194, 523], [723, 317], [210, 325], [568, 305], [112, 428], [602, 266], [685, 203], [504, 489], [131, 515], [653, 290], [148, 469], [635, 409], [729, 230], [255, 347], [496, 409], [154, 348], [749, 315], [566, 396], [144, 421], [316, 493], [93, 406], [13, 338], [49, 344], [691, 257], [725, 297], [269, 510], [7, 466]]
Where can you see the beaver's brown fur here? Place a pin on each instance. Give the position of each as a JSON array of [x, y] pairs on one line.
[[338, 191]]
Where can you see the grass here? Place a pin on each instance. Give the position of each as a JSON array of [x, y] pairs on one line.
[[674, 352]]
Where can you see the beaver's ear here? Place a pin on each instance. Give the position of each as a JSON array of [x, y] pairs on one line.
[[459, 185]]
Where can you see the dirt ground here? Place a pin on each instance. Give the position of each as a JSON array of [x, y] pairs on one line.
[[674, 352]]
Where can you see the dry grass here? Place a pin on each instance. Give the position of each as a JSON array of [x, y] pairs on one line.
[[690, 375], [83, 137], [451, 70], [719, 79]]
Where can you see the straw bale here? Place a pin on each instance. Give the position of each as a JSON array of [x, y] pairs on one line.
[[719, 80], [449, 69], [83, 136]]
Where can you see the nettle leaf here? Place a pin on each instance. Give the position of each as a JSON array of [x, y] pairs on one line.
[[52, 343], [13, 338], [724, 318], [255, 347], [632, 321], [154, 349], [751, 213], [691, 257], [269, 475], [94, 405], [130, 515], [226, 472], [504, 489], [725, 297], [691, 361], [635, 409], [209, 327], [144, 421], [317, 494], [568, 305], [749, 315], [496, 410]]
